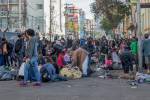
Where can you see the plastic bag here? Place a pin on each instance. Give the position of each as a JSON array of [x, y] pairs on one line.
[[21, 70]]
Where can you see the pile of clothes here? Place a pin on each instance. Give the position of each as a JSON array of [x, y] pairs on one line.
[[142, 78], [7, 73], [71, 73]]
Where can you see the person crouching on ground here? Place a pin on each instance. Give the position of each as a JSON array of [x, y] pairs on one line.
[[48, 72], [80, 59], [31, 56]]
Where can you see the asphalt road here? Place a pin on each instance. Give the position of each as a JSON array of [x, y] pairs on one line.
[[83, 89]]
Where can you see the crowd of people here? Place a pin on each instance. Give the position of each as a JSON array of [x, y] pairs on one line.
[[43, 56]]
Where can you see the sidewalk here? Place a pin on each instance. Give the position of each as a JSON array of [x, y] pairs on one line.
[[83, 89]]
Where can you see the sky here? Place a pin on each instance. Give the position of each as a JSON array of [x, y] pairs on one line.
[[85, 5]]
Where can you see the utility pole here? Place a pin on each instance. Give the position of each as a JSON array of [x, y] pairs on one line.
[[32, 21], [60, 16], [25, 13], [139, 34], [8, 14], [20, 4], [50, 28]]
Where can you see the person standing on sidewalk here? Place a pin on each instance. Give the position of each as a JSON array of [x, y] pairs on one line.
[[5, 50], [31, 56], [146, 52], [1, 53], [127, 59], [19, 50], [134, 50]]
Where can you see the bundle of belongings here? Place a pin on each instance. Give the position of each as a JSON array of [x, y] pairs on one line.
[[7, 73], [142, 78], [71, 72]]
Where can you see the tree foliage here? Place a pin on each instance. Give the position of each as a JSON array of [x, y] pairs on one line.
[[112, 11]]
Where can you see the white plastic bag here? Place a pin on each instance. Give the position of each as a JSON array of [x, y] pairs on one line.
[[21, 70], [115, 58]]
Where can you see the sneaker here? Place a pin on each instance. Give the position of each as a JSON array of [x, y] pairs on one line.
[[23, 84], [37, 84]]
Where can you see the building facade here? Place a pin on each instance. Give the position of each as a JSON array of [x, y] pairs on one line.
[[58, 18], [71, 20], [11, 15], [81, 23], [90, 27], [22, 14], [37, 14]]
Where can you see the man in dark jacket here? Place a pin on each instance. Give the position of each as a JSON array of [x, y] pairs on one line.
[[127, 59], [19, 49]]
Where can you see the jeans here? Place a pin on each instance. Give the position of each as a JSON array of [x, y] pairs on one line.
[[1, 60], [31, 68], [19, 60], [51, 70]]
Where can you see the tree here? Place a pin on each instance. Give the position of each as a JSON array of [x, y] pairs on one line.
[[106, 25], [113, 12]]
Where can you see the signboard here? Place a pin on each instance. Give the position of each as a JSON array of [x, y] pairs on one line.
[[145, 5], [133, 1]]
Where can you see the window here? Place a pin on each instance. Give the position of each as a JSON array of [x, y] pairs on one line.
[[3, 1], [39, 6], [14, 8], [13, 1]]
